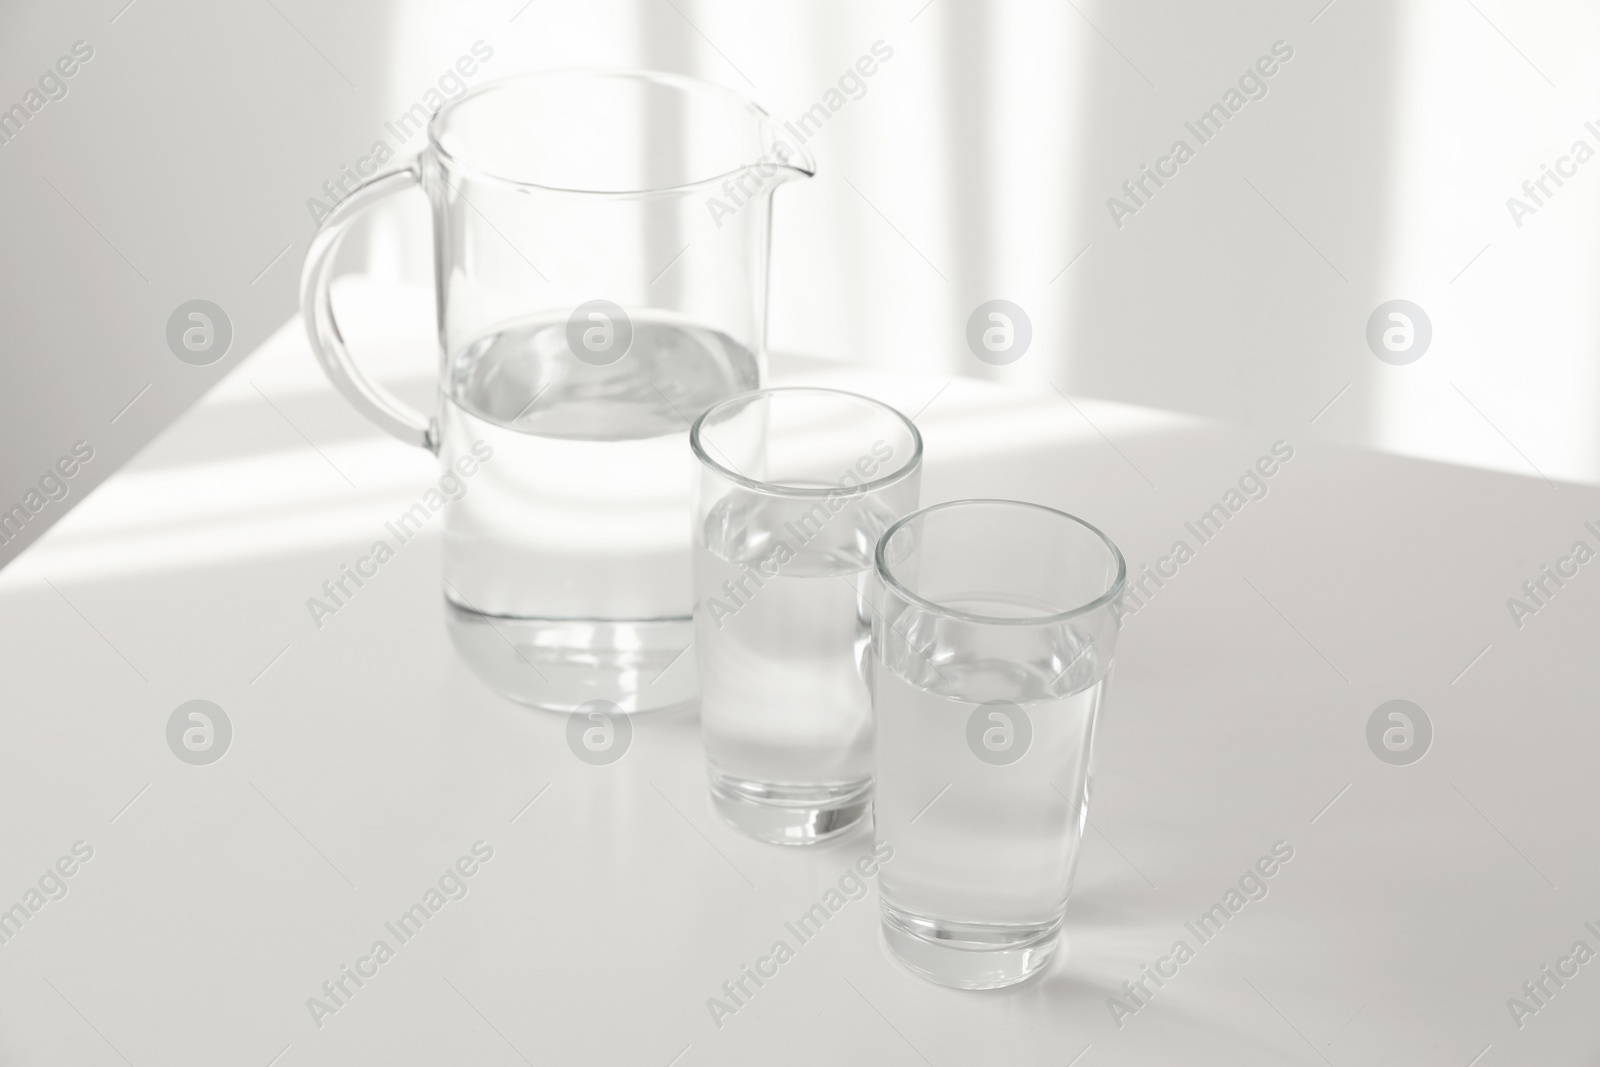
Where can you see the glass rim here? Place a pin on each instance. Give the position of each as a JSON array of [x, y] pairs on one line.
[[881, 567], [800, 162], [807, 492]]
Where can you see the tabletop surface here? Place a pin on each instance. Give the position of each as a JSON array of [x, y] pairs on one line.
[[207, 906]]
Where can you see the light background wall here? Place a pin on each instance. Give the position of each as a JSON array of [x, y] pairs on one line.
[[977, 165]]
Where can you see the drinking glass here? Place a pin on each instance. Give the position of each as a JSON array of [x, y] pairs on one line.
[[993, 631], [796, 485], [598, 286]]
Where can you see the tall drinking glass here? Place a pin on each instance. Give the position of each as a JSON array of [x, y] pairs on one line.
[[992, 642], [796, 485]]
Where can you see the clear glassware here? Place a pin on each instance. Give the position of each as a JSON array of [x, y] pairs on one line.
[[795, 487], [601, 243], [993, 633]]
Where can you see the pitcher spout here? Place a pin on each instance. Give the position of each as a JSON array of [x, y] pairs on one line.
[[779, 159], [785, 152]]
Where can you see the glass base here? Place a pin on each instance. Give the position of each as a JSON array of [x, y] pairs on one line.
[[969, 955], [790, 814], [557, 664]]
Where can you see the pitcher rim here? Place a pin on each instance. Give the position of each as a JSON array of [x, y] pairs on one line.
[[800, 162]]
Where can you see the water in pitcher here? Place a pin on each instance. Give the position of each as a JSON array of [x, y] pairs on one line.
[[566, 563]]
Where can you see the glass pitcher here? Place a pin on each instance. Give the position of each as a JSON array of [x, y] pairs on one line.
[[600, 246]]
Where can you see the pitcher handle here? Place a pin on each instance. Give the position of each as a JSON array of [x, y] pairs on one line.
[[410, 426]]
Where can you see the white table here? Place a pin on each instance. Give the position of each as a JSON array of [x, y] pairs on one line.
[[365, 760]]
